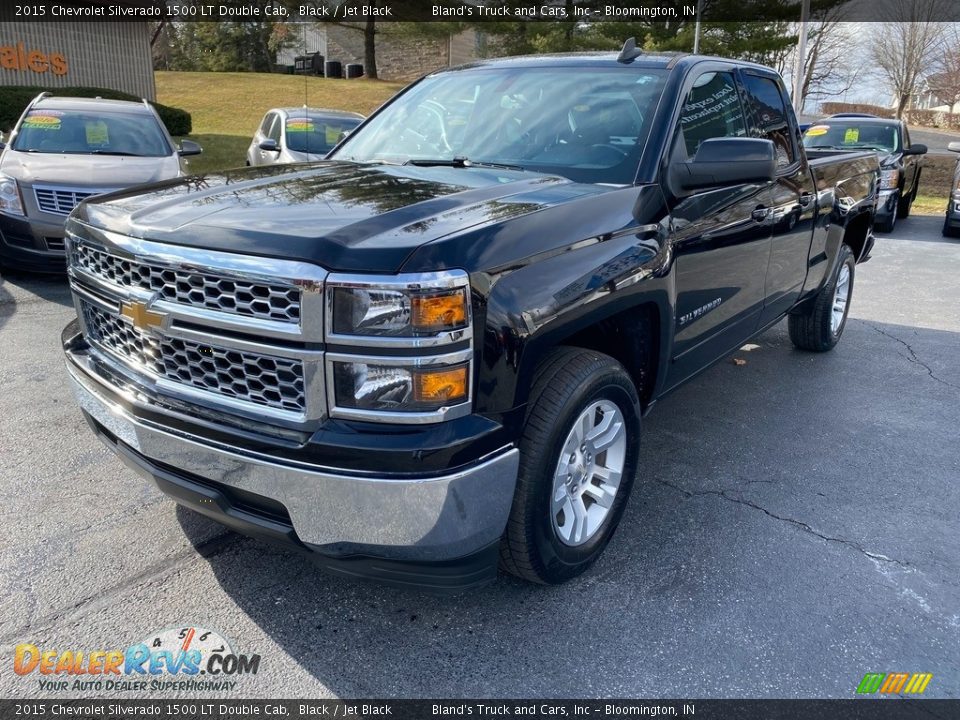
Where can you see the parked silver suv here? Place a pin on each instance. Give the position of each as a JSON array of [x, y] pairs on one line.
[[64, 150]]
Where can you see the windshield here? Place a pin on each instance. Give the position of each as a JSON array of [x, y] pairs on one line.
[[316, 134], [587, 124], [852, 135], [71, 131]]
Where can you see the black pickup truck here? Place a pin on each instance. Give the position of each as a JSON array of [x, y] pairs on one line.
[[430, 353]]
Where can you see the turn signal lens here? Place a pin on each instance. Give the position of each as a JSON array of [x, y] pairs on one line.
[[435, 313], [441, 386]]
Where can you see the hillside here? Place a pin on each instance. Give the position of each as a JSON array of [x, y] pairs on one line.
[[227, 107]]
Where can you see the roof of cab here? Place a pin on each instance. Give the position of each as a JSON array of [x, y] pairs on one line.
[[666, 60], [858, 120]]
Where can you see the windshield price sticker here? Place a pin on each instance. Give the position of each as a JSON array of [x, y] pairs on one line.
[[300, 126], [97, 133], [851, 135], [47, 121]]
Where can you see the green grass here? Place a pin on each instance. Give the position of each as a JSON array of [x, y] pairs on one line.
[[929, 204], [227, 107]]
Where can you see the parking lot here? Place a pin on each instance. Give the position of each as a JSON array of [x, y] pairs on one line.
[[794, 527]]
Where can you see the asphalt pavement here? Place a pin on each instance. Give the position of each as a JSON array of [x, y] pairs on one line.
[[935, 140], [794, 527]]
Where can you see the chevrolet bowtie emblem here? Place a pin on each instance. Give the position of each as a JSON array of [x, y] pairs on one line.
[[142, 318]]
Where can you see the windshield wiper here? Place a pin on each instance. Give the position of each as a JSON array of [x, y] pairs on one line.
[[459, 162], [114, 152]]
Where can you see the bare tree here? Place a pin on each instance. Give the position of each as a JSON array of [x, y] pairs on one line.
[[944, 82], [827, 70], [904, 48]]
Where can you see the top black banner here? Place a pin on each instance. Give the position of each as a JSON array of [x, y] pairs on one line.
[[637, 12]]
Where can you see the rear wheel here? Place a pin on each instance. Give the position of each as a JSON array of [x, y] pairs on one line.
[[819, 327], [578, 459]]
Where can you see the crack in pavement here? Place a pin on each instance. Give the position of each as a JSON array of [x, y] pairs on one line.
[[725, 494], [913, 356], [207, 549]]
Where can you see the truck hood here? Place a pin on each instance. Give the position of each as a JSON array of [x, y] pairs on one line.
[[343, 216], [93, 171]]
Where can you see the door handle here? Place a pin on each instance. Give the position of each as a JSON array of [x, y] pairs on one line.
[[761, 215], [806, 199]]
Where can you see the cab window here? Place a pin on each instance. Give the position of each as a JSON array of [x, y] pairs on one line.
[[770, 119], [712, 109]]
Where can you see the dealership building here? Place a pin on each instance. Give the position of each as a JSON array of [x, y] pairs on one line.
[[113, 55]]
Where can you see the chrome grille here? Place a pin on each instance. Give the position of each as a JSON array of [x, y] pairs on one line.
[[59, 201], [191, 287], [263, 380]]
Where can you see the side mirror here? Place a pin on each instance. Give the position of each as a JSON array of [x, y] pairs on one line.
[[954, 147], [189, 147], [917, 149], [270, 145], [727, 161]]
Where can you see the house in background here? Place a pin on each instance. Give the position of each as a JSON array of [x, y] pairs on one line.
[[399, 57], [930, 96]]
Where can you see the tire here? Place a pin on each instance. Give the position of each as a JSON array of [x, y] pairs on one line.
[[536, 545], [948, 231], [887, 225], [904, 205], [814, 329]]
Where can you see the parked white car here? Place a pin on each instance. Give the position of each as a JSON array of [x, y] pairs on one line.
[[290, 135]]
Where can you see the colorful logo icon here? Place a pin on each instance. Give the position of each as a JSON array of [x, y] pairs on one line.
[[894, 683]]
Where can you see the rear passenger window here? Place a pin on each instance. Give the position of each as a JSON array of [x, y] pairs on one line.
[[769, 110], [712, 109]]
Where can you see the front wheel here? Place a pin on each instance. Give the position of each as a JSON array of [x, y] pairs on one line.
[[904, 205], [886, 226], [578, 460], [948, 231], [819, 327]]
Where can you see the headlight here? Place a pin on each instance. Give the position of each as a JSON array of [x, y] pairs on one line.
[[422, 324], [362, 311], [386, 385], [10, 200], [889, 179], [430, 305]]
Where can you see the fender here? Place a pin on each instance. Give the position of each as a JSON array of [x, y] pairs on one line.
[[609, 253]]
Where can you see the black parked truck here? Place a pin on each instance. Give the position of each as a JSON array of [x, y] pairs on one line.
[[431, 352], [900, 160]]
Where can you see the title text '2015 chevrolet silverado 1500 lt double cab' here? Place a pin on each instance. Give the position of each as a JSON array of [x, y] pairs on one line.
[[430, 353]]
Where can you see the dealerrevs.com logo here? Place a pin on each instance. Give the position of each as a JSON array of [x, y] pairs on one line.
[[187, 658]]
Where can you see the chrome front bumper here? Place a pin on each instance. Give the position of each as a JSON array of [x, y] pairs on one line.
[[420, 519]]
